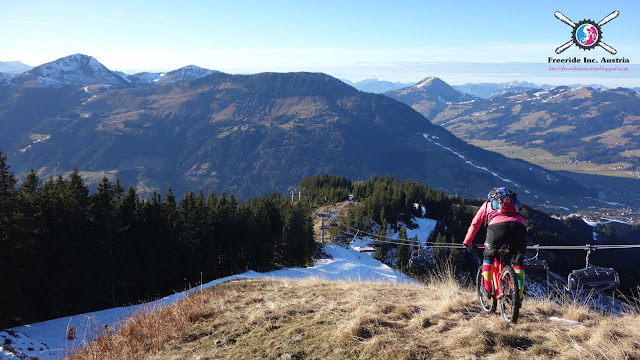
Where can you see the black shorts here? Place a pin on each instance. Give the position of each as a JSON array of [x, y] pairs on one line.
[[512, 233]]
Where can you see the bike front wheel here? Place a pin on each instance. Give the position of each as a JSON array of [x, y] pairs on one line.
[[510, 301], [487, 302]]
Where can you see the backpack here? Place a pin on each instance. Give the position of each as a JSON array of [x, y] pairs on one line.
[[504, 201]]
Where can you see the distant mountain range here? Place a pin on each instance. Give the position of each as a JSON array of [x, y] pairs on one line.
[[245, 134], [489, 90], [480, 90], [13, 67], [376, 86]]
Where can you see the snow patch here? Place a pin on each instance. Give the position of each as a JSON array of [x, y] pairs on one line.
[[557, 319], [424, 82]]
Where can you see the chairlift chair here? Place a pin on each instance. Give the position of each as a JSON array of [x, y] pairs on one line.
[[535, 266], [422, 261], [594, 278], [422, 258], [420, 251]]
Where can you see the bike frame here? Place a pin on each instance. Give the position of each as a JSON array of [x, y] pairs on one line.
[[497, 270]]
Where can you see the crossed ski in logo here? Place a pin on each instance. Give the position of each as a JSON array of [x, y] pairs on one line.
[[598, 33]]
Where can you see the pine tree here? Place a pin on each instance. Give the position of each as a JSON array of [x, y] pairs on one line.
[[32, 257], [128, 245], [383, 248], [8, 240], [402, 250], [103, 212], [8, 204]]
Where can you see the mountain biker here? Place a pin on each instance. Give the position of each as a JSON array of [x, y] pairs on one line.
[[505, 224]]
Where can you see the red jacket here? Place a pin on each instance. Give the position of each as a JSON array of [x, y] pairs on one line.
[[494, 218]]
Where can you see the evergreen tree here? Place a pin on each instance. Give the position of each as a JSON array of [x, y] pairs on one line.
[[383, 246], [103, 212], [8, 238], [403, 250], [130, 252], [31, 254]]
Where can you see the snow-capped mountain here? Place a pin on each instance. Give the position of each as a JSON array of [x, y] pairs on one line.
[[444, 92], [190, 72], [429, 96], [14, 67], [76, 69]]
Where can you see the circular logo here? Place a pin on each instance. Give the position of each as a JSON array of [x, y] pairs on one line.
[[587, 34]]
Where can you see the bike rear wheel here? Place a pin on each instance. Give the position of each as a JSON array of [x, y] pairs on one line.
[[510, 301], [487, 302]]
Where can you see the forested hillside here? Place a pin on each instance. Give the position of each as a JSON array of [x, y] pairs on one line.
[[66, 251]]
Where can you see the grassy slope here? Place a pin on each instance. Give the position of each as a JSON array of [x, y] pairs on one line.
[[317, 319]]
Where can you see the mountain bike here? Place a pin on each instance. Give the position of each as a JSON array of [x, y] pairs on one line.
[[504, 288]]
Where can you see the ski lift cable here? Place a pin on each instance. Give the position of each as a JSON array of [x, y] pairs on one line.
[[409, 242], [434, 245], [592, 247], [582, 247], [386, 237]]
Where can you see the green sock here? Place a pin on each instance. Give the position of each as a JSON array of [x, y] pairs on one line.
[[520, 275]]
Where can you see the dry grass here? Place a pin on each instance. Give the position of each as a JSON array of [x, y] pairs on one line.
[[318, 319]]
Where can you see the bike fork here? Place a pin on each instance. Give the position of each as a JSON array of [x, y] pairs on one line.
[[497, 269]]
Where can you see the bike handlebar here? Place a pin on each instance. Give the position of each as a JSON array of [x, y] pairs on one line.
[[503, 248]]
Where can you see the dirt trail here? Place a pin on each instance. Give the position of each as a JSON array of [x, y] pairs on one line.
[[335, 211]]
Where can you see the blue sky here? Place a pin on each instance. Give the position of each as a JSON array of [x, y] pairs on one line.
[[392, 40]]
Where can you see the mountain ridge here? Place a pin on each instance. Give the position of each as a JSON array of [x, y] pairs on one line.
[[251, 134]]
